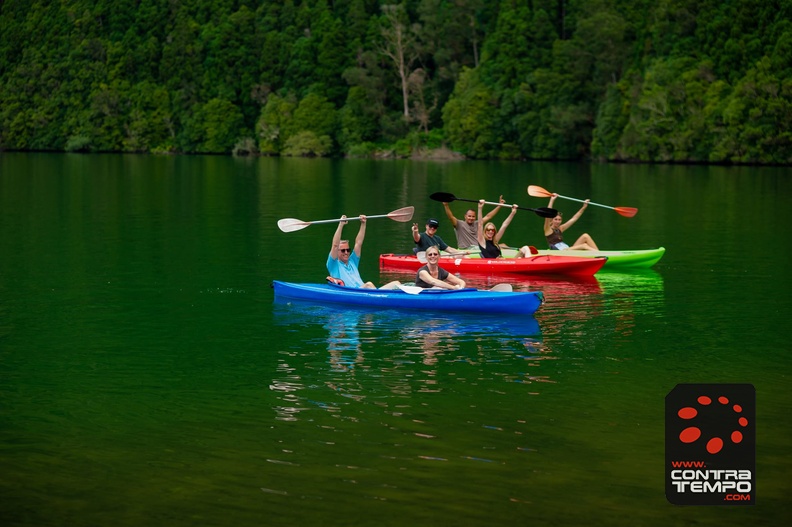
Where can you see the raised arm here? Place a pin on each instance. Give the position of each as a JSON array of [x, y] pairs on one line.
[[506, 223], [337, 238], [361, 235], [574, 218], [493, 212], [450, 215], [548, 230], [416, 235], [482, 240]]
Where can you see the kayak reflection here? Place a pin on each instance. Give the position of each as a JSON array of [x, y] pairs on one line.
[[356, 353], [550, 285], [625, 298], [350, 331], [646, 281]]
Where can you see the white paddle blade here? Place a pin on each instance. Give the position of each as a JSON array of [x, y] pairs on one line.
[[502, 288], [403, 215], [421, 255], [410, 289], [292, 224]]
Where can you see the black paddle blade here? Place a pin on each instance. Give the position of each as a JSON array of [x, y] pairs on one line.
[[546, 212], [445, 197]]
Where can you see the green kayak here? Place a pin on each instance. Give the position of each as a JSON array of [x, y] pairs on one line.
[[617, 260]]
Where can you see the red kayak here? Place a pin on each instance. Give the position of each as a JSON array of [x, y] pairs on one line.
[[542, 264]]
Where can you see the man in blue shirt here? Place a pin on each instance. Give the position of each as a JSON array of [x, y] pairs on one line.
[[343, 261]]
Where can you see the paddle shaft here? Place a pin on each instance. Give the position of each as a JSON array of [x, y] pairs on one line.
[[502, 205], [293, 224], [421, 255], [415, 290], [583, 201], [538, 192], [338, 220]]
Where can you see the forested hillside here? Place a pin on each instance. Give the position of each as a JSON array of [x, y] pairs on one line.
[[621, 80]]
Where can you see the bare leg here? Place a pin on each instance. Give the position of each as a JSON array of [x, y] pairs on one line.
[[525, 251], [585, 242], [391, 285]]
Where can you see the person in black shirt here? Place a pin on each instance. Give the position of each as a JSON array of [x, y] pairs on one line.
[[489, 236], [432, 275]]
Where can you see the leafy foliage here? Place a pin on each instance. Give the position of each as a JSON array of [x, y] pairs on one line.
[[626, 80]]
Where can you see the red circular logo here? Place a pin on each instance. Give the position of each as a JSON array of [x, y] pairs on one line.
[[693, 433]]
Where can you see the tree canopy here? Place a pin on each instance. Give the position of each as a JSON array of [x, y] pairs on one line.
[[616, 80]]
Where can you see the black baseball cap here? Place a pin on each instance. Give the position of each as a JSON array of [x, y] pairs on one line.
[[432, 222]]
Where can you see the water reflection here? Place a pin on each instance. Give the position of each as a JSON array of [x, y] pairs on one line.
[[638, 280], [624, 299], [570, 301], [348, 328], [362, 355], [550, 285], [343, 338]]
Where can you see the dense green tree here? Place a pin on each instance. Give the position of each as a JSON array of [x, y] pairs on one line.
[[307, 144], [628, 80], [757, 119], [504, 63], [275, 119], [612, 117], [469, 117], [182, 62], [150, 126], [358, 120], [333, 57], [217, 127], [314, 113], [231, 59]]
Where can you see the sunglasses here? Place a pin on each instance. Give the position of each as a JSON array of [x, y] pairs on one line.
[[345, 250], [432, 255], [490, 230]]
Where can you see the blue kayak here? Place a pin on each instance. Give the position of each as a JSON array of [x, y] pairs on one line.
[[463, 300]]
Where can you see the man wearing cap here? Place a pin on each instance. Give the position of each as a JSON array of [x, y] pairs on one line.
[[424, 240], [467, 230]]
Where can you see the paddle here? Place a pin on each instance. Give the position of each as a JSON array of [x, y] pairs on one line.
[[421, 255], [497, 288], [292, 224], [447, 197], [539, 192]]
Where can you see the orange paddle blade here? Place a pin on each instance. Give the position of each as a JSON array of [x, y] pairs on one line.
[[538, 192], [627, 212]]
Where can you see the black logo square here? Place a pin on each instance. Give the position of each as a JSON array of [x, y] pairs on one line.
[[710, 444]]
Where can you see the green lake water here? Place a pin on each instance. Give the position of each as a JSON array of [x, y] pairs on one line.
[[148, 378]]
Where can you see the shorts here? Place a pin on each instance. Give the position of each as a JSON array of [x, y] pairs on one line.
[[559, 246]]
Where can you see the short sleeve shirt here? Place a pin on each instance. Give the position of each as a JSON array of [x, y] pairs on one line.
[[427, 241], [349, 272], [466, 235], [442, 274]]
